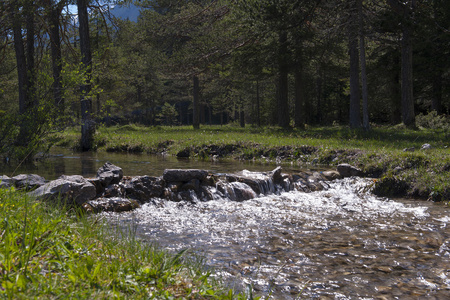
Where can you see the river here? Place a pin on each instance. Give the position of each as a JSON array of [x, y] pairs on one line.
[[339, 243]]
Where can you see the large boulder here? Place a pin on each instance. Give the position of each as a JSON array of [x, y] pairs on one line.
[[184, 175], [109, 174], [73, 189], [115, 204], [28, 181]]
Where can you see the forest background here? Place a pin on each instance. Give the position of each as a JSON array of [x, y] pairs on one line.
[[267, 62]]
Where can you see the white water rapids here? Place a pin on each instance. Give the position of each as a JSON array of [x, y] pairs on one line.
[[340, 243]]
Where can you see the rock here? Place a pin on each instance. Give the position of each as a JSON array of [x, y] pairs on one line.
[[28, 181], [113, 190], [276, 175], [74, 192], [346, 170], [6, 182], [98, 185], [184, 175], [193, 184], [185, 153], [143, 188], [115, 204], [331, 175], [412, 149], [426, 147], [109, 174]]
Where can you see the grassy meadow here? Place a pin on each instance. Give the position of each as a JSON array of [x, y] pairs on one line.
[[380, 153]]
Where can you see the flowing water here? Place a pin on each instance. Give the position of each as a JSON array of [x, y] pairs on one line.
[[340, 243]]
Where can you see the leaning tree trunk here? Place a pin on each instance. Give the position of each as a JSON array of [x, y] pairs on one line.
[[87, 123]]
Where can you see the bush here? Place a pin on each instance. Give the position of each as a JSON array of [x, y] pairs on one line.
[[433, 121]]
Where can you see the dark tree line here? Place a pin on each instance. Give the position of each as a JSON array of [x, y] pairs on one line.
[[264, 62]]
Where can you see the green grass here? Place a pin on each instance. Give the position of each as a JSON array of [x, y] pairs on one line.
[[50, 252], [378, 152]]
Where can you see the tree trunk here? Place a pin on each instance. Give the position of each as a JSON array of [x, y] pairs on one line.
[[195, 108], [395, 92], [408, 116], [55, 45], [283, 104], [355, 119], [31, 72], [87, 123], [20, 58], [299, 123], [362, 55], [258, 105]]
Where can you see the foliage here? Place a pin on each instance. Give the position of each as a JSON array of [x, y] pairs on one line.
[[47, 251], [433, 121]]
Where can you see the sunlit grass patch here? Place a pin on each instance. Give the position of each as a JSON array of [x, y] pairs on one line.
[[49, 251]]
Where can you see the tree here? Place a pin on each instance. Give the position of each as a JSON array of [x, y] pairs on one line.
[[355, 118], [87, 122], [406, 9]]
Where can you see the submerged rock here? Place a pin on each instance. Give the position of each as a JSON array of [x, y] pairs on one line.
[[115, 204]]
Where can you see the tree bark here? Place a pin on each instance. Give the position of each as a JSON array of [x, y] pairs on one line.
[[283, 104], [87, 123], [195, 108], [299, 98], [258, 105], [20, 57], [355, 118], [54, 13], [31, 72], [362, 55], [408, 116]]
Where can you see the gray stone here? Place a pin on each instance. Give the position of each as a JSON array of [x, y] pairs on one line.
[[411, 149], [425, 147], [184, 175], [193, 184], [6, 182], [109, 174], [28, 181], [331, 175], [346, 170], [143, 188], [184, 153], [276, 175], [115, 204], [74, 192]]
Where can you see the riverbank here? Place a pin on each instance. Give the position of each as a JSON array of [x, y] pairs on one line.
[[50, 251], [395, 156]]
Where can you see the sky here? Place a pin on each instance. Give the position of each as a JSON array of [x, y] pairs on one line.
[[130, 12]]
